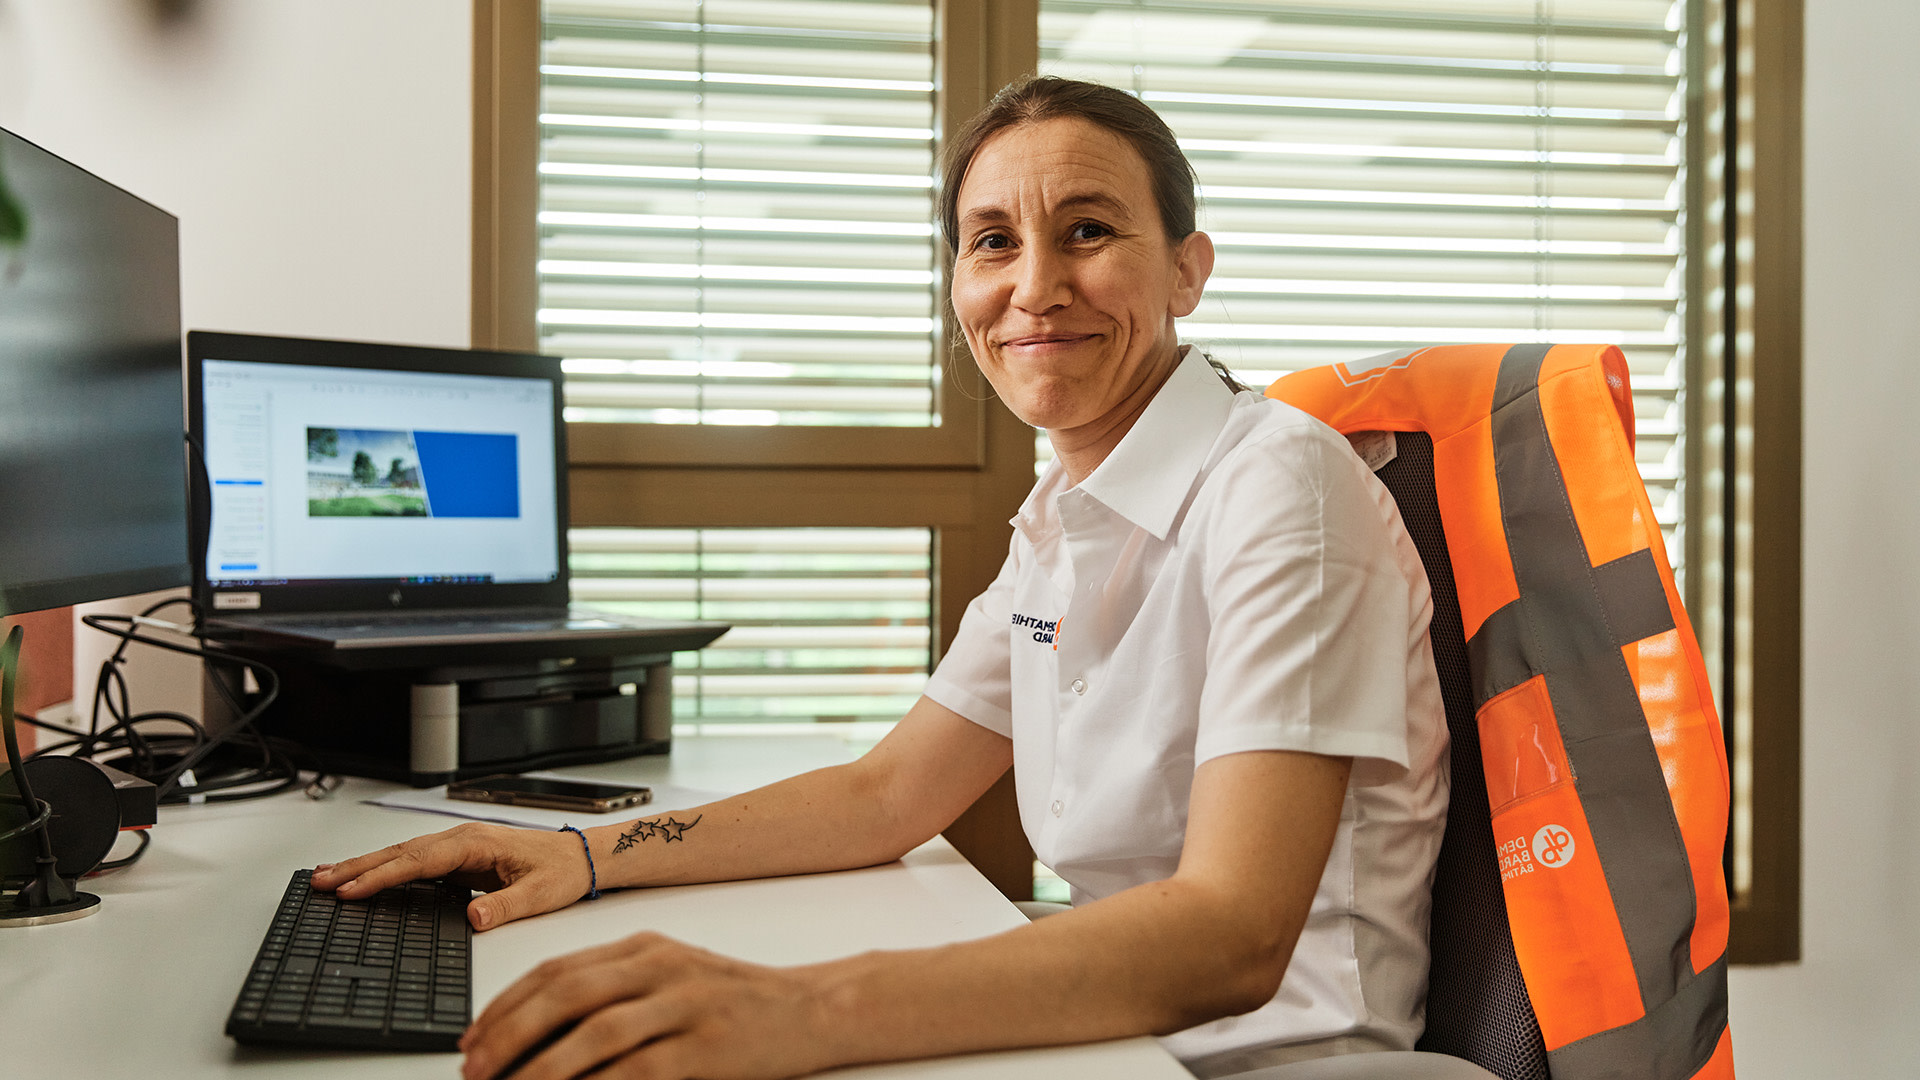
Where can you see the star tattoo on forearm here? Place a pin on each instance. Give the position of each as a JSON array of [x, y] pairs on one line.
[[668, 831]]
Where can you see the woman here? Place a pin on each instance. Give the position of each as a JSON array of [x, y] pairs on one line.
[[1206, 651]]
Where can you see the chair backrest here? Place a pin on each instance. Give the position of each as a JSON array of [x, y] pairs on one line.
[[1477, 1005], [1580, 910]]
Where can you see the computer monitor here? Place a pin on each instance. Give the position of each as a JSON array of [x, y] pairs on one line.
[[93, 489]]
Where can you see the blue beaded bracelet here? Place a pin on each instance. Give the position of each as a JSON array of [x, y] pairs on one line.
[[593, 878]]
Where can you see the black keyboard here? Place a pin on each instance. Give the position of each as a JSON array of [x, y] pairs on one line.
[[391, 972]]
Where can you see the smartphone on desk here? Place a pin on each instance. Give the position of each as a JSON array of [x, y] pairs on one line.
[[551, 794]]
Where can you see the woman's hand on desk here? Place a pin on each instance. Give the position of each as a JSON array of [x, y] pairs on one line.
[[651, 1006], [520, 872]]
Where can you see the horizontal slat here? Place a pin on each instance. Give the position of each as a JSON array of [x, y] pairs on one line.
[[766, 685], [692, 223], [607, 352], [781, 544], [1647, 20], [818, 17]]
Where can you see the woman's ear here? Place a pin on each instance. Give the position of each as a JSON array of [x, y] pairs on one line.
[[1193, 265]]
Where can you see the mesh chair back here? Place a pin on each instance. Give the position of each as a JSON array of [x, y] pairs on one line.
[[1477, 1004]]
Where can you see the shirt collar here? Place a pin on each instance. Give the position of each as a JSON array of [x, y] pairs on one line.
[[1147, 477]]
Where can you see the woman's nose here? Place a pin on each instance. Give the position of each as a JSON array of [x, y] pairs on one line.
[[1041, 282]]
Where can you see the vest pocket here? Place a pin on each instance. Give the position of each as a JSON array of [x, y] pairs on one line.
[[1520, 745]]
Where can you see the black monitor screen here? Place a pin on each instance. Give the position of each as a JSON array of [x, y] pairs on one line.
[[93, 499]]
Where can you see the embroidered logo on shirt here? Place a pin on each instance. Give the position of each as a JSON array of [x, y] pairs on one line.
[[1043, 629]]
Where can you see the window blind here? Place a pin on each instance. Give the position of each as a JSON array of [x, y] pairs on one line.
[[828, 624], [1390, 173], [735, 210], [736, 229]]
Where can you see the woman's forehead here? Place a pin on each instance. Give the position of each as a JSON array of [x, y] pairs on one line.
[[1062, 160]]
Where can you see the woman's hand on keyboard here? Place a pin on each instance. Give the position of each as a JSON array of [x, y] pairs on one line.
[[519, 872], [651, 1006]]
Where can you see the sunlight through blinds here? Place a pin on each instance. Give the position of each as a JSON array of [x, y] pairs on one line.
[[1389, 173], [828, 624], [735, 210]]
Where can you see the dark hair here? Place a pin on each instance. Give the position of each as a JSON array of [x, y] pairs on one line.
[[1036, 99]]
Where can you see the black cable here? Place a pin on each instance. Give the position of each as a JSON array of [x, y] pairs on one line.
[[29, 718], [45, 815], [43, 887], [199, 506], [168, 759], [118, 864], [23, 791]]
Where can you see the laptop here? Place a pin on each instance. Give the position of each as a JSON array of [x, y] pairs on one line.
[[361, 496]]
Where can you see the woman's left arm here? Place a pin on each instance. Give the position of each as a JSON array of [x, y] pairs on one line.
[[1210, 941]]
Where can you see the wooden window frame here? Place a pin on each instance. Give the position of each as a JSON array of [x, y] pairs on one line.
[[1753, 365]]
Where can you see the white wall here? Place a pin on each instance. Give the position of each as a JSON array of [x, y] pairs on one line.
[[1852, 1007], [316, 152]]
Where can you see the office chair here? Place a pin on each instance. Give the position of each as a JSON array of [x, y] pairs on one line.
[[1563, 575]]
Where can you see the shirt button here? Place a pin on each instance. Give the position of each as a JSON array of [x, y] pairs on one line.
[[1079, 686], [1057, 807]]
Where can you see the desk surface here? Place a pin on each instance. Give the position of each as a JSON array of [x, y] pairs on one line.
[[141, 989]]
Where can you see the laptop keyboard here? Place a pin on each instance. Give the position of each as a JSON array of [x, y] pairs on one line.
[[390, 972]]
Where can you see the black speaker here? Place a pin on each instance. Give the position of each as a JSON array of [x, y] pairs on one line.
[[86, 816]]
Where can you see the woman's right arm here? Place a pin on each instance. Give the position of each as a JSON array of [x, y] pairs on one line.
[[930, 768]]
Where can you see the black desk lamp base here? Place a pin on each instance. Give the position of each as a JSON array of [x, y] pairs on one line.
[[81, 906]]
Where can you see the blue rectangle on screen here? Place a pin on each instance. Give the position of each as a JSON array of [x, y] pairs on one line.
[[239, 566], [470, 474]]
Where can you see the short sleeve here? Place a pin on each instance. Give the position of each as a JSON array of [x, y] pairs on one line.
[[1318, 606], [975, 678]]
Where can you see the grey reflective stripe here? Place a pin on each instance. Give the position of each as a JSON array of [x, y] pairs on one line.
[[1498, 658], [1672, 1042], [1631, 594], [1564, 632], [1635, 600]]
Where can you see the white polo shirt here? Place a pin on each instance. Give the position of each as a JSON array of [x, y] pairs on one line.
[[1231, 578]]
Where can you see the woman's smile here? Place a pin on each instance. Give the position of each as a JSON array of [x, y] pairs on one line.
[[1047, 343]]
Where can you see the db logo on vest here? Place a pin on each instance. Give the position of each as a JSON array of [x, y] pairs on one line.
[[1553, 847]]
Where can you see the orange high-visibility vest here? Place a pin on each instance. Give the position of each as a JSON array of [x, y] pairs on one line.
[[1606, 770]]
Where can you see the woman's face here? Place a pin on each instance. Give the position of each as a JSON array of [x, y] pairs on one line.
[[1065, 284]]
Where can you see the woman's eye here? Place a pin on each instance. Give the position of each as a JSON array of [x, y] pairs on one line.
[[993, 242], [1090, 230]]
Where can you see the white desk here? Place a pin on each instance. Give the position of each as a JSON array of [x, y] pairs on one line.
[[141, 989]]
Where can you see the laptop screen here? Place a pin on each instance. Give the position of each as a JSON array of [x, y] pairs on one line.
[[351, 476]]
